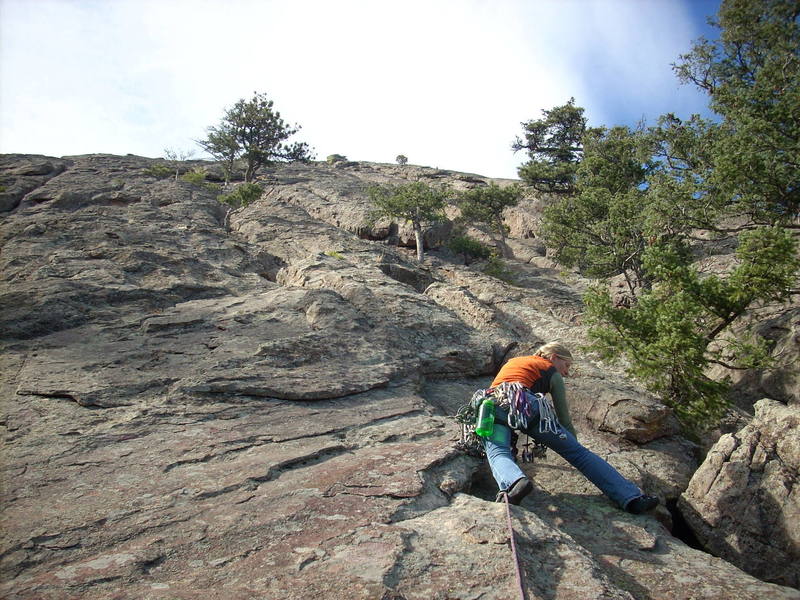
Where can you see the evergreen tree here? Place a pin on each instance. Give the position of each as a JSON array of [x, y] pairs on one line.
[[221, 144], [254, 131], [645, 203], [602, 227], [555, 147], [751, 76], [415, 203], [484, 205]]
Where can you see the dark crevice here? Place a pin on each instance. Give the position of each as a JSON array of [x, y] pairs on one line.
[[482, 484], [681, 529], [243, 446], [70, 396], [451, 474], [416, 278], [342, 432], [102, 581]]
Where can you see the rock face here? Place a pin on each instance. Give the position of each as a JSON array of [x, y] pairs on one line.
[[783, 381], [744, 501], [256, 404]]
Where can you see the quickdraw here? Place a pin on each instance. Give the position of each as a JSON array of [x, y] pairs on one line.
[[532, 451], [469, 443]]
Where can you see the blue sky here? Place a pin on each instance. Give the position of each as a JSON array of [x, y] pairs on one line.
[[445, 82]]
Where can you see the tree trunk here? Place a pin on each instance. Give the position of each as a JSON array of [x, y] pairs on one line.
[[418, 238]]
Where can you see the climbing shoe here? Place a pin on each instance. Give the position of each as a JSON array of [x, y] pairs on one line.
[[518, 490], [641, 504]]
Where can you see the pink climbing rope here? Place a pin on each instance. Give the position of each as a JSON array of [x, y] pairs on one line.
[[517, 568]]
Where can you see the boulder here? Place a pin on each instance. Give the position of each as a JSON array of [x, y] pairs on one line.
[[743, 503], [637, 419]]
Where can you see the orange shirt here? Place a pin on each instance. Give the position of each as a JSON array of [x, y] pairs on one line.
[[540, 376], [525, 369]]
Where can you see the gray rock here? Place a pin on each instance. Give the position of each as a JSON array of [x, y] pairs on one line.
[[782, 381], [256, 403], [743, 502], [21, 173], [635, 419]]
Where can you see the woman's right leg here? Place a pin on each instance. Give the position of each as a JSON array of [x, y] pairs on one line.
[[501, 461]]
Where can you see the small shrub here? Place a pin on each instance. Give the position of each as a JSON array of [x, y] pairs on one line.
[[468, 247], [334, 254], [334, 158], [159, 171], [196, 176], [495, 267], [243, 195]]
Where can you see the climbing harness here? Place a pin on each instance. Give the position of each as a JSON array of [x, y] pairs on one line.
[[517, 567], [512, 397]]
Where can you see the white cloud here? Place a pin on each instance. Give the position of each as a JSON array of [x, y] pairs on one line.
[[445, 82], [625, 59]]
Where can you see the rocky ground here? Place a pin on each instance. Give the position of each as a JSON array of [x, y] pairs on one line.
[[258, 404]]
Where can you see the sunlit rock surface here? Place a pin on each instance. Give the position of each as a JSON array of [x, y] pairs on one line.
[[744, 501], [257, 403]]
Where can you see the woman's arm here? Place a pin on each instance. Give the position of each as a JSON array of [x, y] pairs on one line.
[[559, 393]]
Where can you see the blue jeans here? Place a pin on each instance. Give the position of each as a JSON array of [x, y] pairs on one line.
[[594, 468]]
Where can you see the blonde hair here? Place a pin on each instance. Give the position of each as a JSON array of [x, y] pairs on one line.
[[554, 349]]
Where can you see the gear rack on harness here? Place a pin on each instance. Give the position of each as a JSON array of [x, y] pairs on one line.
[[505, 395]]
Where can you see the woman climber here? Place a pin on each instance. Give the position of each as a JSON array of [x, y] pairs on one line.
[[523, 383]]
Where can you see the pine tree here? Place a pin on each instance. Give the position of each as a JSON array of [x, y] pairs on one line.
[[254, 131]]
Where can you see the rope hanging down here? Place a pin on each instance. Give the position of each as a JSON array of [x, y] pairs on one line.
[[517, 568]]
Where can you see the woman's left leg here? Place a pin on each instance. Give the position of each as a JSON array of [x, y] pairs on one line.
[[594, 468]]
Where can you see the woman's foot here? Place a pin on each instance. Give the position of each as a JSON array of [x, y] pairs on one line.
[[518, 490], [641, 504]]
